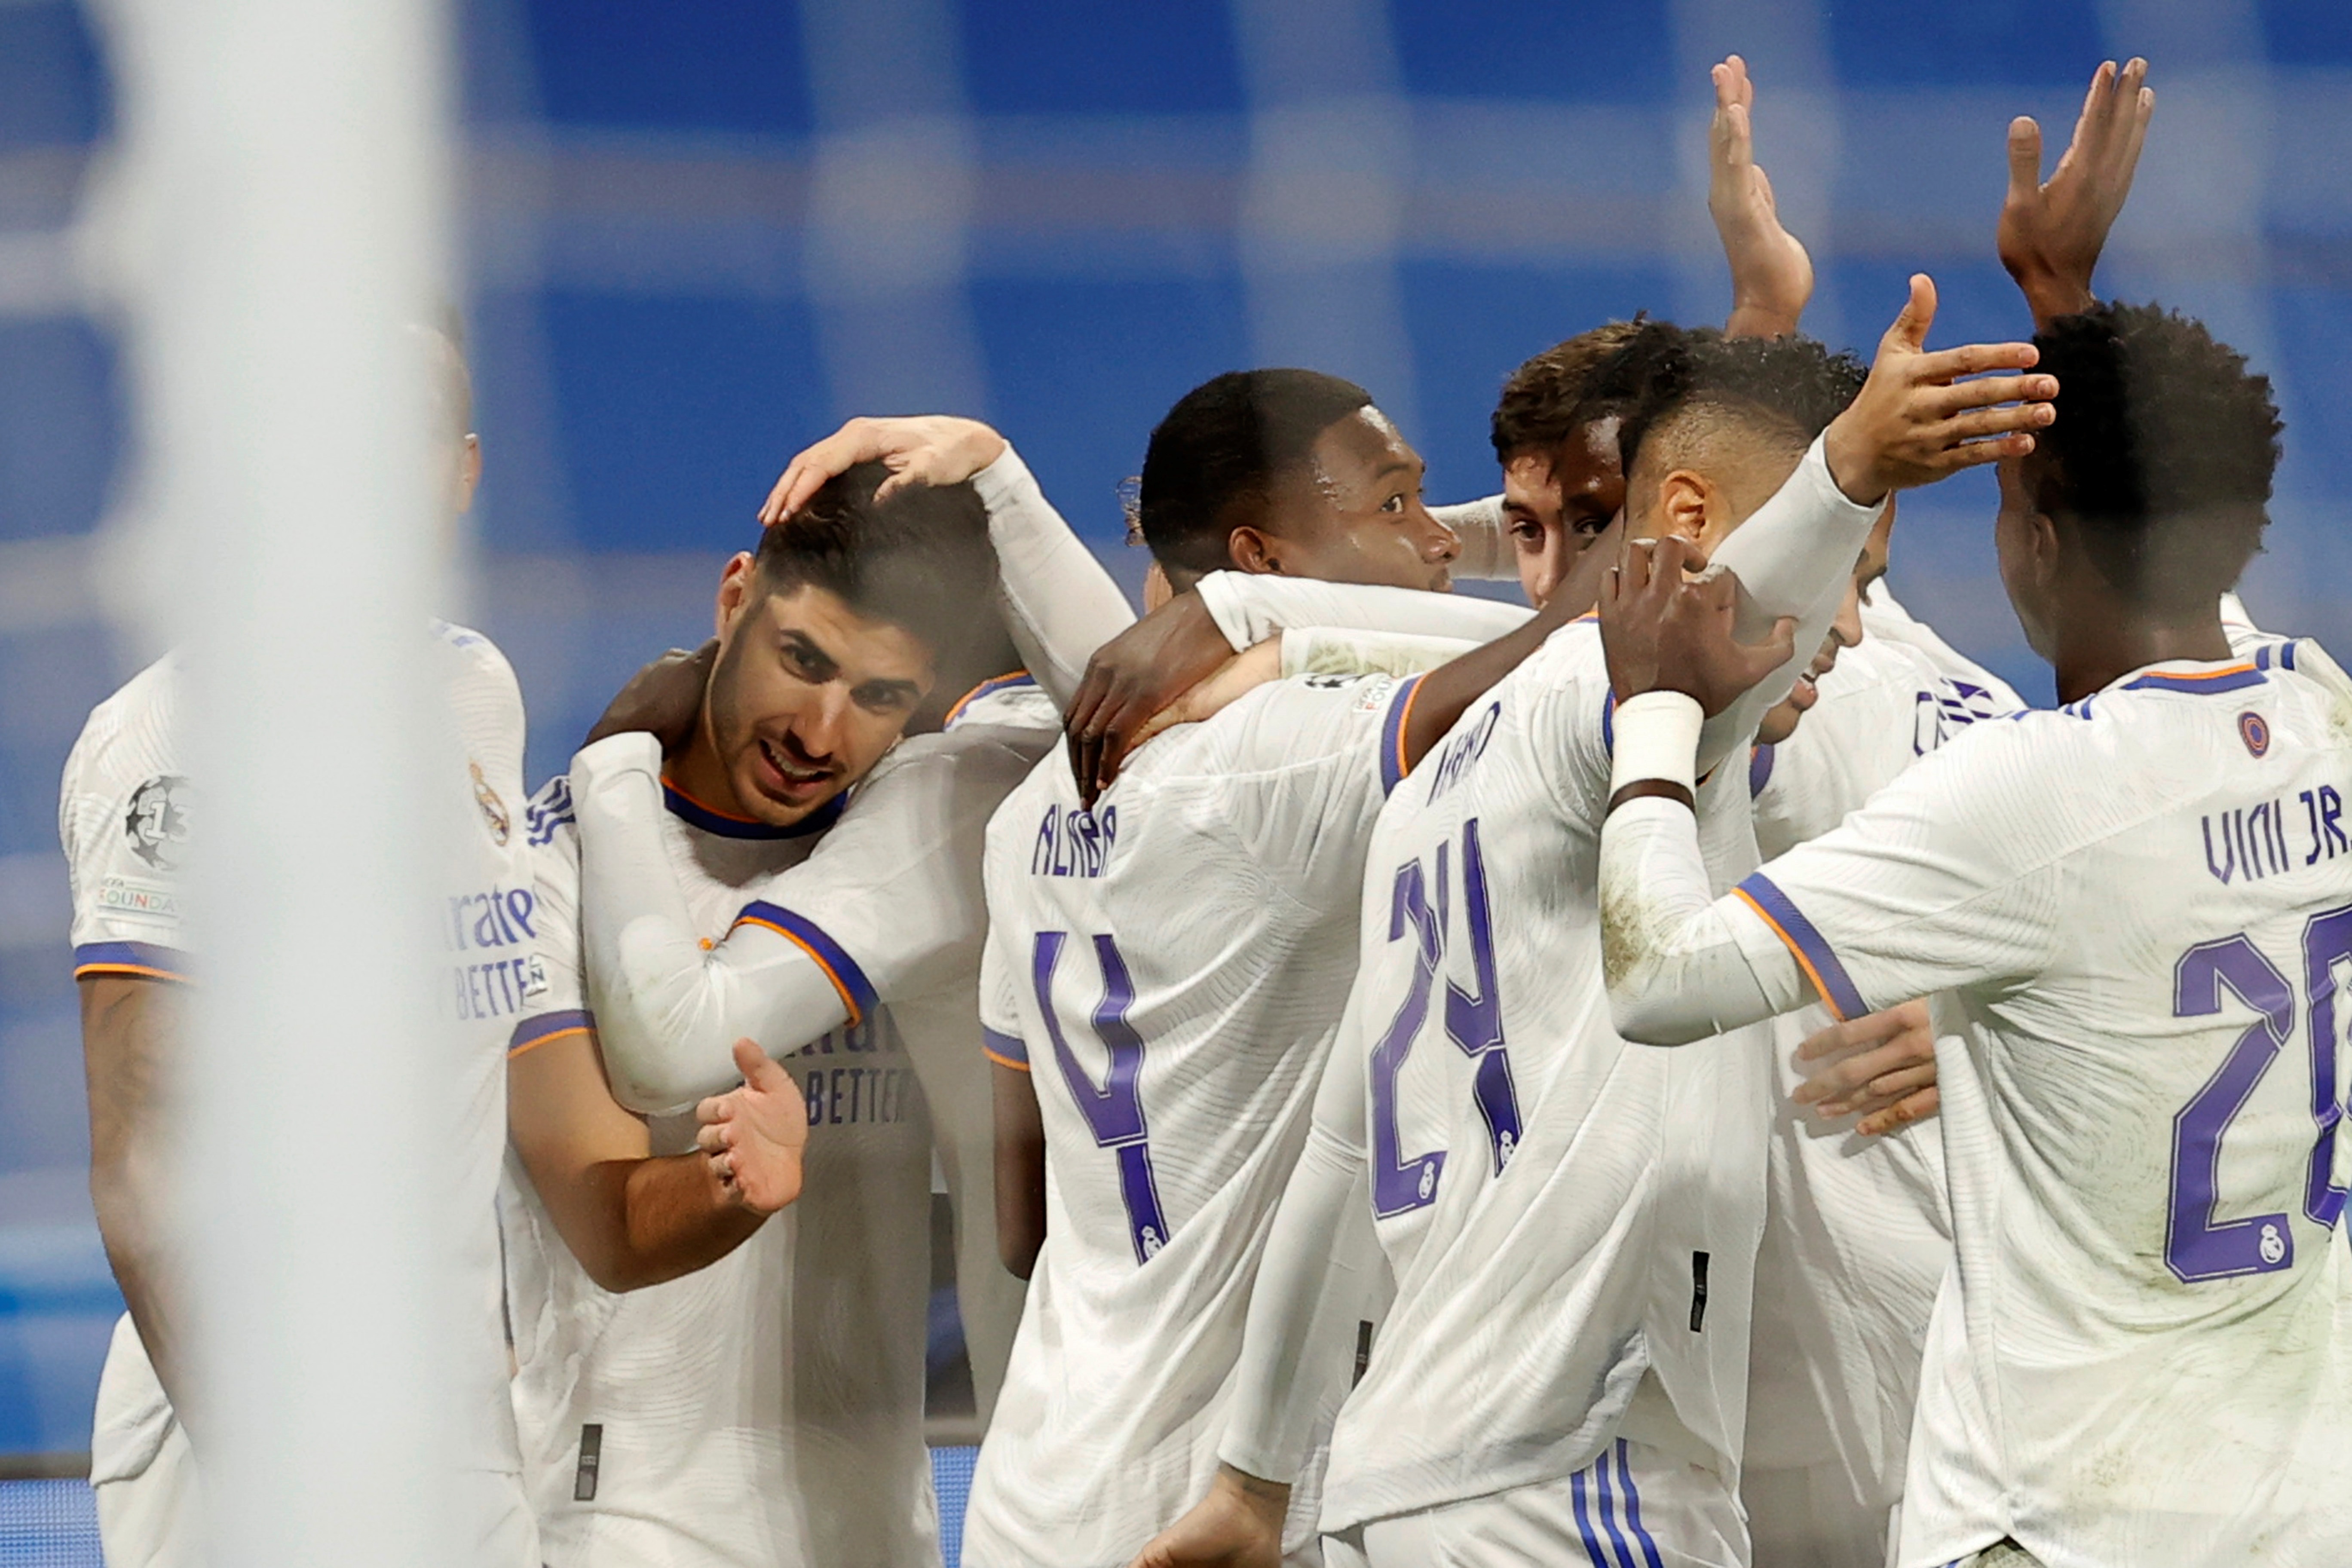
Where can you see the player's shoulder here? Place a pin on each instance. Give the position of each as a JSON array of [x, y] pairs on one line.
[[1885, 681], [1297, 720], [1571, 660], [2137, 745], [1012, 702], [473, 660], [950, 774], [134, 730], [548, 817]]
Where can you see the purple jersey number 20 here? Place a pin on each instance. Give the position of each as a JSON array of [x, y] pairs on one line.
[[1114, 1107], [2195, 1245], [1473, 1022]]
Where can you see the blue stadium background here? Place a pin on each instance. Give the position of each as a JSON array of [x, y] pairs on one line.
[[698, 235]]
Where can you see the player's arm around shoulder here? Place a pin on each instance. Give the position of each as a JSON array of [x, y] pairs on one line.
[[1310, 761], [630, 1217]]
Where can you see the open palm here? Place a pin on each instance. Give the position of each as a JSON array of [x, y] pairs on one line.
[[756, 1135]]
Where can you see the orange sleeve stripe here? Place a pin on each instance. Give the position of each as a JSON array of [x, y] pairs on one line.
[[1404, 722], [532, 1045], [88, 971], [848, 996], [1797, 951], [1004, 1061]]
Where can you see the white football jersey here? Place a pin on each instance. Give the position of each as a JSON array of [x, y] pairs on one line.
[[1568, 1219], [2143, 905], [767, 1409], [1171, 966], [1858, 1234], [126, 817]]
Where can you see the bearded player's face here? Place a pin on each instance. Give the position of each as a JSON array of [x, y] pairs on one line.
[[807, 696]]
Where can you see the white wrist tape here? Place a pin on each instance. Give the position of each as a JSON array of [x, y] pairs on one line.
[[1656, 737]]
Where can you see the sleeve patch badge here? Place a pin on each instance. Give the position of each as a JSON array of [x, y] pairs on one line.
[[157, 822]]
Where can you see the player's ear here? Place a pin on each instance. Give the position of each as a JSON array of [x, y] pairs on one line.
[[1686, 504], [735, 587], [2042, 545], [1252, 551]]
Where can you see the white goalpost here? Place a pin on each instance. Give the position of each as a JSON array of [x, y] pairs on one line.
[[278, 208]]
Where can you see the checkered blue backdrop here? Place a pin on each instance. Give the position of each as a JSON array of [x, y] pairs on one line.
[[699, 235]]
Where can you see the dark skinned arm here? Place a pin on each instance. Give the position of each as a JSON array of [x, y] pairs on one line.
[[1452, 690], [1771, 276], [1020, 1169], [131, 1030], [2050, 233], [664, 699]]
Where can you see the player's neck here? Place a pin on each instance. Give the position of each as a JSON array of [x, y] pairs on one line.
[[2100, 643], [699, 774]]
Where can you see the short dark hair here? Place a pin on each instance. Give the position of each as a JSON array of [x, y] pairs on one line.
[[1549, 396], [1792, 386], [1213, 461], [918, 559], [2162, 454]]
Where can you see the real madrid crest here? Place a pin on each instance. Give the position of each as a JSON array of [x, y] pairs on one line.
[[494, 810], [157, 822]]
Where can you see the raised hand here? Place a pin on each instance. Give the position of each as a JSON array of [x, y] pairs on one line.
[[1771, 276], [1135, 676], [2052, 231], [1665, 630], [1237, 1525], [919, 450], [1917, 421], [664, 697], [1881, 1068], [755, 1135]]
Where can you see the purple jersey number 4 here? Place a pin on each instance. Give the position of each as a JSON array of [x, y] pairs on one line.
[[1473, 1022], [1113, 1108], [2197, 1247]]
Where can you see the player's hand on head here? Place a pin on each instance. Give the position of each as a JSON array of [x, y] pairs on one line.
[[1880, 1067], [2052, 231], [1135, 676], [1234, 679], [1237, 1525], [1663, 629], [1926, 415], [665, 699], [918, 450], [1772, 275], [755, 1136]]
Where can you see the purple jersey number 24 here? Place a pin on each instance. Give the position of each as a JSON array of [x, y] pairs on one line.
[[1473, 1022], [2195, 1245], [1114, 1107]]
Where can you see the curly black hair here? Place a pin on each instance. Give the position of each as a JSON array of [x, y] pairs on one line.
[[1791, 382], [1224, 446], [2161, 458]]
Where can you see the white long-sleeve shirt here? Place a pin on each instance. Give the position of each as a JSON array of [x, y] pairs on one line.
[[2141, 905], [1555, 1253]]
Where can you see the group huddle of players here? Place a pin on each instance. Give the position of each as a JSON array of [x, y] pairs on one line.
[[1692, 1071]]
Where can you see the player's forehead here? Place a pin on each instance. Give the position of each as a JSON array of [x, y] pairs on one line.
[[1359, 458]]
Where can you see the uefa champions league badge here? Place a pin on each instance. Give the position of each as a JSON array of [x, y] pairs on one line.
[[157, 823], [2255, 731]]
